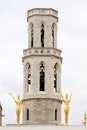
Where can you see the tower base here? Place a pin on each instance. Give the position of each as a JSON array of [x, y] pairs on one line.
[[42, 111]]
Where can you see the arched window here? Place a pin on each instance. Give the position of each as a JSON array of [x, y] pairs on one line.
[[42, 77], [32, 36], [55, 78], [55, 114], [42, 35], [27, 117], [53, 35], [29, 78]]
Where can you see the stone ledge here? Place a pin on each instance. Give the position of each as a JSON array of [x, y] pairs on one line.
[[37, 51], [41, 96], [43, 127], [41, 51]]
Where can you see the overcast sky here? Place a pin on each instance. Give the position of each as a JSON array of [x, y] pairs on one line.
[[72, 40]]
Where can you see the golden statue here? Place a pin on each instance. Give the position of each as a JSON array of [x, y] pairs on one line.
[[66, 101], [84, 121], [18, 107]]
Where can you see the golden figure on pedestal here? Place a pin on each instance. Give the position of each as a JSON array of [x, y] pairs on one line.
[[84, 120], [66, 101], [18, 107]]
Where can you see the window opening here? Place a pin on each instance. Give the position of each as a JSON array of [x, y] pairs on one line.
[[42, 78], [42, 35]]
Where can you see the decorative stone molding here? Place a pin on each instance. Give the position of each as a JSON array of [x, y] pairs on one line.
[[42, 11], [42, 51]]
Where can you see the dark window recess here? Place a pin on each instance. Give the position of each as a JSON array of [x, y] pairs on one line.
[[42, 35], [53, 36], [42, 78], [32, 36], [41, 81], [29, 75], [55, 79], [27, 114], [29, 81], [55, 114], [29, 78]]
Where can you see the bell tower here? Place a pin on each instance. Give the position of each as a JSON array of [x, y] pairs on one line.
[[42, 69]]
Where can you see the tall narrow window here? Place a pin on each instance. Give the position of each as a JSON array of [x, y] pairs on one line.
[[55, 78], [27, 114], [42, 35], [32, 35], [53, 35], [29, 79], [55, 114], [42, 78]]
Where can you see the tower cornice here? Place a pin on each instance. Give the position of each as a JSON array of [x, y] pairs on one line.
[[37, 51], [42, 11]]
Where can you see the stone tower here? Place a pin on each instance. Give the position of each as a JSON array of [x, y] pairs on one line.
[[42, 69]]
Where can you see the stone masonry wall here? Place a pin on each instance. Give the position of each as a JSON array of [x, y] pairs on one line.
[[42, 111]]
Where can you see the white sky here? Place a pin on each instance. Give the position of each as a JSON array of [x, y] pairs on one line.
[[72, 40]]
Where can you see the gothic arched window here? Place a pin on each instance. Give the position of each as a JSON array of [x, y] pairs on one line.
[[42, 77], [42, 35], [32, 36], [53, 35], [29, 78], [55, 78]]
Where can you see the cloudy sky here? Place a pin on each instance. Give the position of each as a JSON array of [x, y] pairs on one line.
[[72, 40]]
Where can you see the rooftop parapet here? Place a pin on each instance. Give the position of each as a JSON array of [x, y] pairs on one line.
[[42, 11]]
